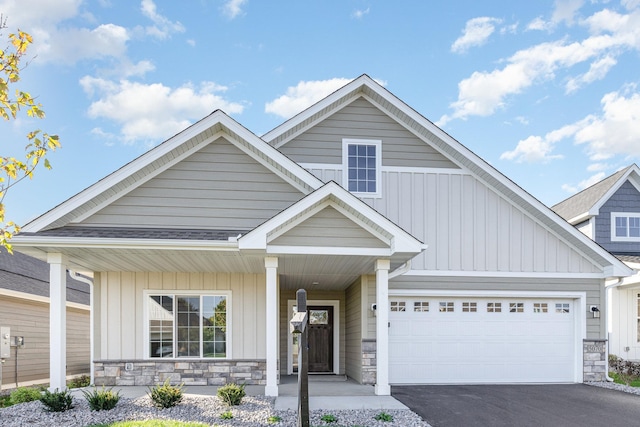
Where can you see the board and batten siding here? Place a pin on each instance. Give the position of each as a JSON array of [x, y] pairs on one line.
[[30, 319], [353, 331], [119, 310], [624, 323], [329, 228], [362, 120], [219, 187]]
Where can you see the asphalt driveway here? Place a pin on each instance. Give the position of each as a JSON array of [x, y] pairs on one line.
[[565, 405]]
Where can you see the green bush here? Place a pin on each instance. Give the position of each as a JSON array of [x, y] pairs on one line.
[[166, 395], [226, 415], [232, 394], [81, 381], [101, 400], [274, 419], [24, 394], [383, 416], [57, 401], [329, 418]]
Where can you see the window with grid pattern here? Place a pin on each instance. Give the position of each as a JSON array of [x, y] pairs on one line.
[[494, 307], [540, 307], [421, 306], [469, 307], [446, 306], [397, 306], [516, 307]]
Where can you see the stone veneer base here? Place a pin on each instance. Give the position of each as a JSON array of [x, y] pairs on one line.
[[594, 360], [189, 372], [369, 361]]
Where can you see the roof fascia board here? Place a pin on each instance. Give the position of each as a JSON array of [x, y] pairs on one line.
[[595, 209], [95, 243], [39, 299]]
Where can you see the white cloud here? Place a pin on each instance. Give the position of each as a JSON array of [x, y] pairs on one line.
[[303, 95], [597, 167], [564, 11], [616, 131], [71, 45], [233, 8], [38, 13], [483, 93], [360, 13], [594, 179], [476, 33], [154, 111], [597, 71], [163, 27]]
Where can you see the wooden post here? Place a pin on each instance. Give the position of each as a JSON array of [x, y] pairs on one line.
[[303, 364]]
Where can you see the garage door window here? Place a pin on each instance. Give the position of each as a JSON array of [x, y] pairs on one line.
[[421, 306], [446, 307], [540, 307], [398, 306], [494, 307], [516, 307], [469, 307], [562, 308]]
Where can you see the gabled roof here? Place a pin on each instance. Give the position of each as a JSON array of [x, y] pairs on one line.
[[163, 157], [365, 86], [586, 204]]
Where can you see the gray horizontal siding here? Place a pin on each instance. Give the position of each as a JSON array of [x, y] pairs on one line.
[[329, 228], [362, 120], [219, 187]]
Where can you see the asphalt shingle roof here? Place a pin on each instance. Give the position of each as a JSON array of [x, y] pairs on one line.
[[22, 273], [584, 200], [140, 233]]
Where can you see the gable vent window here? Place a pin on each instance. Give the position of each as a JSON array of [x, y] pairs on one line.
[[625, 226], [361, 164]]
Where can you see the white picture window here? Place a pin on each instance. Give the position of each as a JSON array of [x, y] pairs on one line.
[[625, 226], [187, 326], [362, 161]]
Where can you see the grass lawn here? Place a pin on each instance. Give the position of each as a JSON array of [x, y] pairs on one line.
[[616, 377]]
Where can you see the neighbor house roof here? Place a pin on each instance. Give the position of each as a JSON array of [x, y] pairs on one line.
[[25, 274], [586, 203]]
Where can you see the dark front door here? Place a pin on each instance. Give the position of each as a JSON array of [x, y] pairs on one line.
[[320, 329]]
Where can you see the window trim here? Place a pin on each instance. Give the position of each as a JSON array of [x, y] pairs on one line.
[[614, 216], [147, 293], [346, 142]]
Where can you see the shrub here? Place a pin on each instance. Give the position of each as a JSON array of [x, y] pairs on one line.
[[166, 395], [81, 381], [226, 415], [101, 400], [383, 416], [57, 401], [274, 419], [329, 418], [24, 394], [232, 394]]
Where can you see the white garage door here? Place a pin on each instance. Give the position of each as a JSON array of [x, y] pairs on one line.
[[437, 340]]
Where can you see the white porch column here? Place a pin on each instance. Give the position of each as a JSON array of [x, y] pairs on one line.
[[57, 321], [382, 327], [271, 266]]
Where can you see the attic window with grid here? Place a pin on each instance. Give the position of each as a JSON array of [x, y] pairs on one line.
[[625, 227], [362, 161]]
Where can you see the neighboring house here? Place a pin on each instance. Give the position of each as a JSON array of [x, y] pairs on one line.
[[24, 308], [423, 264], [609, 213]]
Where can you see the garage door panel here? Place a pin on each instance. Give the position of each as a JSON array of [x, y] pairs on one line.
[[492, 341]]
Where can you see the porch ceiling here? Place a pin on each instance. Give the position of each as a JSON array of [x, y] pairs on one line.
[[330, 272]]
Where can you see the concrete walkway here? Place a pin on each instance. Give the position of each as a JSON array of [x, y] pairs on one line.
[[325, 392]]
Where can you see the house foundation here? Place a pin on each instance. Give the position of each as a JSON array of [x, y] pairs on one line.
[[200, 372]]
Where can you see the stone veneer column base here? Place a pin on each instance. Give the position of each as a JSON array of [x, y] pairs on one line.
[[188, 372], [369, 361], [594, 360]]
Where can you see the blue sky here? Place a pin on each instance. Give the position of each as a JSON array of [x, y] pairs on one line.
[[545, 91]]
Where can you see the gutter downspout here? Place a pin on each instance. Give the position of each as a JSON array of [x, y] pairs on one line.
[[74, 275], [400, 270], [608, 288]]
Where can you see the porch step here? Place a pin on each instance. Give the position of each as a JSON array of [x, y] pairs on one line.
[[317, 378]]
